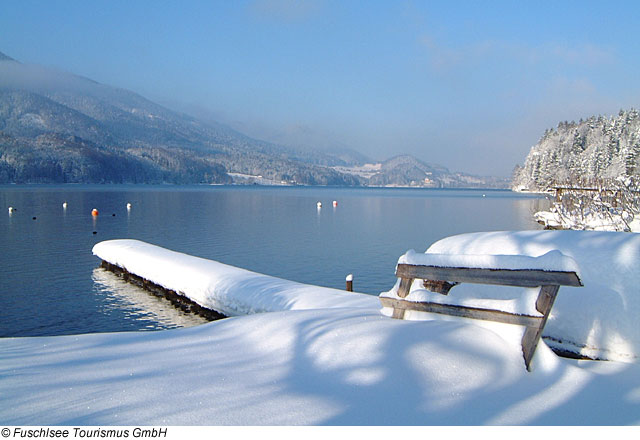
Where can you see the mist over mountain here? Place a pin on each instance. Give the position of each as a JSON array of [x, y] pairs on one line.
[[57, 127], [598, 148], [60, 127]]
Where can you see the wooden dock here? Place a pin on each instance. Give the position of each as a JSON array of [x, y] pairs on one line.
[[179, 301]]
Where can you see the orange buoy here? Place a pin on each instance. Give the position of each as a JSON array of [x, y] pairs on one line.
[[94, 212]]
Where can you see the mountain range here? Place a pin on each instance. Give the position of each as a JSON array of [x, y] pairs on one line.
[[57, 127]]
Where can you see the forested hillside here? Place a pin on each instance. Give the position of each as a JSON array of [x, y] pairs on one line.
[[600, 148]]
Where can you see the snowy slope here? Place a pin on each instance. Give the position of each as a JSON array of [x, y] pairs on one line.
[[308, 367]]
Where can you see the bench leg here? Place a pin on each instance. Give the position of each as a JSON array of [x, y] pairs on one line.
[[403, 291], [546, 297], [405, 286], [398, 313]]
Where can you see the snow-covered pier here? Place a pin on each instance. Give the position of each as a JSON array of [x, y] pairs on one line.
[[227, 290]]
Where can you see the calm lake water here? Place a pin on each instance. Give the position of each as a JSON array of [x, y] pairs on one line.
[[51, 284]]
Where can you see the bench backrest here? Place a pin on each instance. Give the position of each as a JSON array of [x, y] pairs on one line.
[[503, 277]]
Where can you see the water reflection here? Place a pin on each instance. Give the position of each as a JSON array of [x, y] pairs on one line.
[[49, 283], [139, 304]]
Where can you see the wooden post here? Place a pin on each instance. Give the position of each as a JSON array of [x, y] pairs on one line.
[[398, 313], [405, 287], [546, 298], [558, 194], [350, 282]]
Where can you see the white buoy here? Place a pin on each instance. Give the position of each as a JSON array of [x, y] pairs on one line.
[[335, 203], [10, 209], [64, 205], [128, 205], [319, 205]]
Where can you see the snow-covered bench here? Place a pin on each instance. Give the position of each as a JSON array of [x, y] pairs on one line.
[[440, 272]]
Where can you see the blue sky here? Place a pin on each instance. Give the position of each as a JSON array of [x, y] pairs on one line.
[[470, 85]]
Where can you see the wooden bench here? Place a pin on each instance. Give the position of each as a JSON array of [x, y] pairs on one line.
[[441, 279]]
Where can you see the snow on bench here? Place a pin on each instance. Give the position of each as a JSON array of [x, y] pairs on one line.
[[441, 272]]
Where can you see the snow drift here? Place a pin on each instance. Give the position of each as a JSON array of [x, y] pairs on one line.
[[307, 367]]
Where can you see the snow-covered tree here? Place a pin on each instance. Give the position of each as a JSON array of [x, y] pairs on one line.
[[597, 148]]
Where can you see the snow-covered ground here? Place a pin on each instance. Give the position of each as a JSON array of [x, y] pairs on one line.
[[328, 357], [248, 179]]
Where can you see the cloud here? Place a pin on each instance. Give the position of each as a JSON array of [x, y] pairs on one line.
[[32, 77], [444, 57], [572, 87], [287, 11], [588, 54]]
